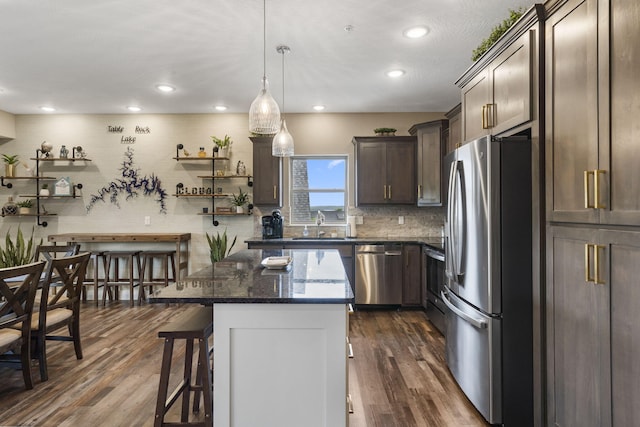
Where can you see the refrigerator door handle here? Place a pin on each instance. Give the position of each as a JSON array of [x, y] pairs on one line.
[[457, 220], [478, 323], [449, 247]]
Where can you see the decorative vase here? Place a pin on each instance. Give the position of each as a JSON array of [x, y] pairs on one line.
[[9, 170], [223, 151], [44, 192], [241, 169], [239, 209], [24, 211], [10, 208]]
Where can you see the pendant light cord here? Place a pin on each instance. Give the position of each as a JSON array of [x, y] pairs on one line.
[[283, 52], [264, 39]]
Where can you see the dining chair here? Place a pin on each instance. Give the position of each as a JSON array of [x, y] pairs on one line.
[[49, 252], [59, 306], [16, 308]]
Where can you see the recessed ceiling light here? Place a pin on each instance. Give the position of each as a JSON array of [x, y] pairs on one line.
[[165, 88], [221, 107], [416, 32], [395, 73], [134, 108], [47, 109], [318, 107]]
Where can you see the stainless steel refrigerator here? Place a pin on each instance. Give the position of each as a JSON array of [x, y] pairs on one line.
[[488, 281]]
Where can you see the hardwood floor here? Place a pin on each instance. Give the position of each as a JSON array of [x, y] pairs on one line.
[[397, 378]]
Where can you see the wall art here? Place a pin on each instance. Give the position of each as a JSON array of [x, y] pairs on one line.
[[130, 184]]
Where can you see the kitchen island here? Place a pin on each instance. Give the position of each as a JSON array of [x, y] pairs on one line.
[[280, 337]]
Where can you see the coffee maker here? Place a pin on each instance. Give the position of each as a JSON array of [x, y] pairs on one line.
[[272, 225]]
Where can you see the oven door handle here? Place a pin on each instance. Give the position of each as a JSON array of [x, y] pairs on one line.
[[477, 322]]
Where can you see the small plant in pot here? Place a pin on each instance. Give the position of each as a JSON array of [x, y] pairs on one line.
[[44, 191], [223, 145], [24, 206], [10, 163], [218, 246], [239, 200]]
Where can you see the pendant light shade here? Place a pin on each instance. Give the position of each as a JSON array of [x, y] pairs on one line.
[[264, 114], [282, 145]]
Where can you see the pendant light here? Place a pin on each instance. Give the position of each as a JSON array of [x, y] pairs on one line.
[[264, 114], [282, 145]]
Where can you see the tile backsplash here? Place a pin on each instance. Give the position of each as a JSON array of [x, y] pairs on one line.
[[380, 221]]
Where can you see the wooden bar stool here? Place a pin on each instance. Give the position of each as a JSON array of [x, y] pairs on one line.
[[113, 279], [147, 278], [97, 258], [195, 325]]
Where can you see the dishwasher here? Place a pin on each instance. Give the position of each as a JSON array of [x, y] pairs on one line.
[[379, 274]]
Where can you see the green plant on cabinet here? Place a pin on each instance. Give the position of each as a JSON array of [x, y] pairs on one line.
[[496, 33]]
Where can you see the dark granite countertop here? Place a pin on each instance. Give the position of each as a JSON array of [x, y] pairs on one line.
[[433, 242], [314, 277]]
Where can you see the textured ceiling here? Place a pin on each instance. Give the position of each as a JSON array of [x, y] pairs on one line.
[[100, 56]]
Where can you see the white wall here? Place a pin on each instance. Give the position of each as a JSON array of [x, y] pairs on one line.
[[313, 134]]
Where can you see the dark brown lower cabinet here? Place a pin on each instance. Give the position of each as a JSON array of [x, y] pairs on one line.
[[593, 299], [412, 275]]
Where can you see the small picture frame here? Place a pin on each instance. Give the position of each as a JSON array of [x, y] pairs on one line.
[[62, 187]]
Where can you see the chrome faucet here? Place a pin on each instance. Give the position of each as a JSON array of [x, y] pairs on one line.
[[319, 221]]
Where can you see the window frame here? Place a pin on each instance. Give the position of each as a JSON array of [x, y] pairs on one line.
[[345, 158]]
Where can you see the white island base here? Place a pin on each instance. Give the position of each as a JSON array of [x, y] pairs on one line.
[[280, 365]]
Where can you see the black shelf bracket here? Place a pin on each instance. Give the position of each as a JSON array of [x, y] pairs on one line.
[[4, 183]]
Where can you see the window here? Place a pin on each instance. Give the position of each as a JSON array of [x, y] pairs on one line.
[[318, 183]]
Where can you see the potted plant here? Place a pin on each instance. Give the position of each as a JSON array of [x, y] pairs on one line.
[[19, 252], [24, 206], [218, 246], [239, 200], [10, 163], [223, 145], [385, 131], [44, 191]]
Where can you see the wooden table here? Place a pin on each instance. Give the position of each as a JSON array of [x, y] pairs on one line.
[[180, 239]]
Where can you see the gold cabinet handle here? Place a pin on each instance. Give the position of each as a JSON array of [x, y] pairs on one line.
[[587, 190], [419, 191], [484, 117], [487, 116], [389, 192], [596, 264], [590, 248], [587, 263], [596, 189], [275, 195], [384, 190]]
